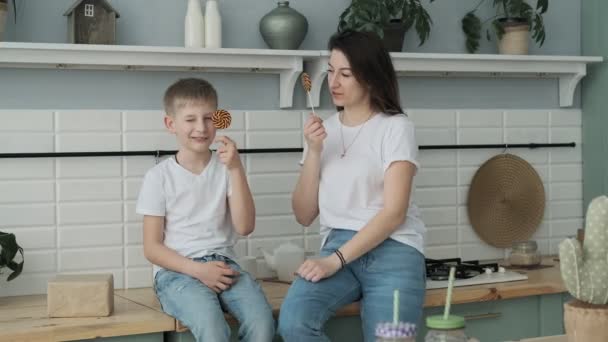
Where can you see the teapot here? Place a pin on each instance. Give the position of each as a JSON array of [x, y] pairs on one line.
[[285, 260]]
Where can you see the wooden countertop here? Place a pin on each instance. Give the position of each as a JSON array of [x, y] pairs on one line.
[[539, 282], [560, 338], [137, 311], [24, 318]]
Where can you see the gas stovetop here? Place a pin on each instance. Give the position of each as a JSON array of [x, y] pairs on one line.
[[467, 273]]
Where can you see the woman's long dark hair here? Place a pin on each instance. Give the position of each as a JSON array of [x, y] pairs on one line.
[[372, 66]]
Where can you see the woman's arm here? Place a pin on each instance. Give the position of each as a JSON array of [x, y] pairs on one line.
[[305, 197], [397, 187]]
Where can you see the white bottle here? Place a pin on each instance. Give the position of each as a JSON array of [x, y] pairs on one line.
[[194, 25], [213, 25]]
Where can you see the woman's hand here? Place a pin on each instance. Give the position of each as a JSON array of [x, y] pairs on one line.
[[314, 133], [216, 275], [316, 269], [228, 153]]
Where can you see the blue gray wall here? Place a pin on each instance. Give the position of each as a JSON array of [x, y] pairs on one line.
[[160, 22]]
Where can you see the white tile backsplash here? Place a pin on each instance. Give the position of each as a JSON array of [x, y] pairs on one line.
[[26, 191], [88, 121], [87, 212], [77, 142], [89, 190], [480, 118], [26, 120], [78, 214], [29, 169], [90, 236], [26, 142], [89, 167]]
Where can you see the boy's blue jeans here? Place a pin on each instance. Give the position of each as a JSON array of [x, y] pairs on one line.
[[371, 279], [202, 310]]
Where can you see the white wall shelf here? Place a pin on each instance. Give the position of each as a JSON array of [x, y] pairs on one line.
[[288, 64], [569, 70]]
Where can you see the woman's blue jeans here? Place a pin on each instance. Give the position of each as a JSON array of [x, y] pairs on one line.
[[371, 279], [202, 310]]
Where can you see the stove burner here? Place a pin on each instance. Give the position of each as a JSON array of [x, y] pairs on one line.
[[440, 269]]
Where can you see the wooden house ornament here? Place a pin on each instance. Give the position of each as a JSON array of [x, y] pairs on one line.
[[92, 22]]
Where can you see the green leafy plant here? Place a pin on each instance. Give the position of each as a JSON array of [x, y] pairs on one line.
[[8, 252], [375, 15], [507, 11]]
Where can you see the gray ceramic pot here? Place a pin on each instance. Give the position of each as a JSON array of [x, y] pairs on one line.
[[283, 27]]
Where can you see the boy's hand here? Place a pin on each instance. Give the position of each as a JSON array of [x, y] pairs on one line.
[[216, 275], [316, 269], [314, 132], [228, 153]]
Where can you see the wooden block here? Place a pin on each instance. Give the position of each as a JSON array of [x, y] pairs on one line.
[[81, 295]]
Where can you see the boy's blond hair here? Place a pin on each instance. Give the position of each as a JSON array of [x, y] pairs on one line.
[[188, 90]]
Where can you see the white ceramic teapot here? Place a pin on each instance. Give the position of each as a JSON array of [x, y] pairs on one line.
[[285, 260]]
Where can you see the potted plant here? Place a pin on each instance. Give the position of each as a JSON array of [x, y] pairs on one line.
[[390, 19], [4, 14], [584, 271], [8, 251], [511, 23]]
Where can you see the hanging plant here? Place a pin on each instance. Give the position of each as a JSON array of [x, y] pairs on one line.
[[8, 252]]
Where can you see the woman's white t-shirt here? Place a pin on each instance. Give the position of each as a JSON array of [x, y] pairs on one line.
[[351, 188]]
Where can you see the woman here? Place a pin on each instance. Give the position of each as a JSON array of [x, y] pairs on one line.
[[357, 174]]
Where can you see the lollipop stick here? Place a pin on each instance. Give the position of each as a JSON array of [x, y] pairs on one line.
[[448, 299], [311, 105], [396, 307]]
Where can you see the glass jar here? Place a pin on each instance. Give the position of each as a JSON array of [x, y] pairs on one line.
[[445, 330], [396, 332], [525, 254]]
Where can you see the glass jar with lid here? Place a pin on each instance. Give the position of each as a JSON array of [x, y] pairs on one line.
[[396, 332], [445, 330], [525, 254]]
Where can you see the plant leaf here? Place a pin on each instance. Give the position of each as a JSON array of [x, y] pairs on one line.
[[542, 5], [538, 29], [471, 26], [498, 28]]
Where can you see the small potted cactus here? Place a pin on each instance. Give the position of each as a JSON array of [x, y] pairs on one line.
[[584, 269]]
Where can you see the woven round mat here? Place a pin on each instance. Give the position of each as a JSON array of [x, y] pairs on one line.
[[506, 201]]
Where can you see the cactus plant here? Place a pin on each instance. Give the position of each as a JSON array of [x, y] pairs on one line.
[[585, 269]]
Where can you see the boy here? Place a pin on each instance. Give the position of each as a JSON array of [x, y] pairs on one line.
[[193, 203]]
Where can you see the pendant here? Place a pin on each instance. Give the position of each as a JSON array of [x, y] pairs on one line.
[[342, 156]]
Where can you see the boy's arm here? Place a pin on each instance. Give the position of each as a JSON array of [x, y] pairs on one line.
[[240, 201], [242, 208], [216, 275], [156, 251]]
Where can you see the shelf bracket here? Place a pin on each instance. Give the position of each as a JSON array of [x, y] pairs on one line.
[[567, 87], [317, 69], [288, 79]]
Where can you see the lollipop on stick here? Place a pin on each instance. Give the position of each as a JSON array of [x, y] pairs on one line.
[[307, 84], [221, 119]]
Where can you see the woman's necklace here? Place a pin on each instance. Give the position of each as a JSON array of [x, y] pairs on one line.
[[344, 147]]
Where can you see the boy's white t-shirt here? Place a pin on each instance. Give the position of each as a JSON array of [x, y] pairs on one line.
[[197, 216], [351, 189]]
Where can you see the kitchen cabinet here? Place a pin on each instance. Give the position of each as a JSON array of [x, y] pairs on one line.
[[491, 321], [156, 337]]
